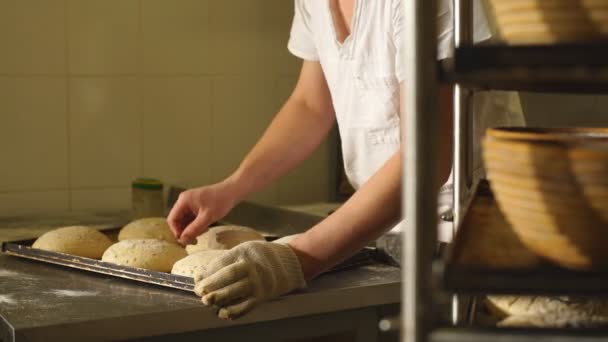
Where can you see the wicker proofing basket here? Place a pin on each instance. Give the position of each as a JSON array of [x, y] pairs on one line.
[[550, 21], [552, 187]]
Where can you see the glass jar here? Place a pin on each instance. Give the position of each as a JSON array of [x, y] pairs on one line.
[[147, 198]]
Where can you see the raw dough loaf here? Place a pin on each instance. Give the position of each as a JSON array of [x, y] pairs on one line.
[[75, 240], [555, 320], [504, 306], [223, 237], [147, 228], [151, 254], [191, 265]]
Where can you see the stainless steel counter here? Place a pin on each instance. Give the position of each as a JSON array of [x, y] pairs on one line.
[[45, 302]]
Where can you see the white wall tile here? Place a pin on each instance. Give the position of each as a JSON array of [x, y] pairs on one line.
[[177, 130], [251, 37], [554, 110], [312, 181], [243, 108], [601, 110], [105, 131], [21, 203], [173, 124], [33, 133], [101, 199], [32, 37], [175, 36], [103, 36]]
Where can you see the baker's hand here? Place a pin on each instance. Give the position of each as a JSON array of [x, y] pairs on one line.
[[196, 209], [250, 273]]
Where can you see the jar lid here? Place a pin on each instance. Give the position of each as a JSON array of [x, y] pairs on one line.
[[147, 183]]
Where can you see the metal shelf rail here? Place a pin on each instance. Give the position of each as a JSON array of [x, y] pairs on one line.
[[569, 68]]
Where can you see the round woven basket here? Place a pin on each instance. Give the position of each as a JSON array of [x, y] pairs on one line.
[[552, 187], [550, 21]]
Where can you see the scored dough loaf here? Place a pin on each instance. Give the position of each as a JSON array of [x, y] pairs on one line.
[[503, 306], [147, 228], [151, 254], [555, 320], [75, 240], [223, 237], [191, 265]]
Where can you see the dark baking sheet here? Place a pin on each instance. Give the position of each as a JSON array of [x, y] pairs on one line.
[[23, 249], [487, 257]]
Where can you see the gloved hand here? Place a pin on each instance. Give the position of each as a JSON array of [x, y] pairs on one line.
[[286, 239], [250, 273]]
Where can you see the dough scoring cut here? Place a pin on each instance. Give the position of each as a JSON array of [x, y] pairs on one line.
[[191, 265], [75, 240], [151, 254], [147, 228], [223, 237]]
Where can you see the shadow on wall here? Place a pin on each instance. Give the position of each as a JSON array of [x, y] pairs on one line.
[[562, 110]]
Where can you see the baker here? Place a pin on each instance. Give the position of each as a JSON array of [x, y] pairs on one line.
[[351, 75]]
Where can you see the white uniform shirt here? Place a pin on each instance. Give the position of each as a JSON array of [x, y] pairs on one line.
[[364, 72]]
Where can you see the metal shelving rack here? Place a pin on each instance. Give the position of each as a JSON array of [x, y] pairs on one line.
[[560, 68]]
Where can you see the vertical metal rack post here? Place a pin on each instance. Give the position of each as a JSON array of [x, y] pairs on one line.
[[463, 35], [419, 190]]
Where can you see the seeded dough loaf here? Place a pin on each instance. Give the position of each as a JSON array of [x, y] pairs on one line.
[[555, 320], [147, 228], [75, 240], [503, 306], [549, 312], [151, 254], [223, 237], [191, 265]]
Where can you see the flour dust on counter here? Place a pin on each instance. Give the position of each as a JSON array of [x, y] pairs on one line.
[[73, 293], [7, 299], [5, 273]]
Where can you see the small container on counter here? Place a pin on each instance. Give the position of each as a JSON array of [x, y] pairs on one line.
[[147, 198]]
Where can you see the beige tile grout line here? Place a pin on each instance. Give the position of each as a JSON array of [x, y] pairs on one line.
[[140, 85], [212, 105], [83, 188], [68, 106]]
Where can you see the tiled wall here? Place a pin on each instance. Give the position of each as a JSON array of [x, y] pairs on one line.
[[94, 93], [565, 109]]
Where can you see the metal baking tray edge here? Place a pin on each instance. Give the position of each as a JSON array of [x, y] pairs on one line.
[[22, 249]]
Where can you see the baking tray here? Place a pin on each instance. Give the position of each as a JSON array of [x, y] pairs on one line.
[[486, 256], [23, 249]]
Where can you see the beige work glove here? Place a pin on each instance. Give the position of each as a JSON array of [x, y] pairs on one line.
[[250, 273], [286, 239]]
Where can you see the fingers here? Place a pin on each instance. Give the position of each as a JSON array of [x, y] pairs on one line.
[[195, 228], [179, 216], [222, 277], [236, 310], [230, 293]]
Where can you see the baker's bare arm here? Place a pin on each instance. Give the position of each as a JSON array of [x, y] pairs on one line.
[[297, 130], [371, 211]]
